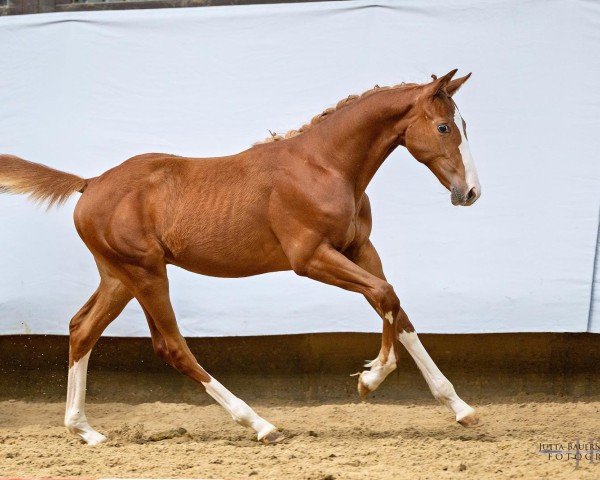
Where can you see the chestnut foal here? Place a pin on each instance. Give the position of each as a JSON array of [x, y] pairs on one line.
[[296, 203]]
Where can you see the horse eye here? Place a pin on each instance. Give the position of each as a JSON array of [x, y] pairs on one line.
[[443, 128]]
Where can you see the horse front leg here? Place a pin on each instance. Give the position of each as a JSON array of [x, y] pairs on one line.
[[385, 363], [327, 265]]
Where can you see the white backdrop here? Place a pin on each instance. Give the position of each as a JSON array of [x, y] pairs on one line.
[[84, 91], [594, 320]]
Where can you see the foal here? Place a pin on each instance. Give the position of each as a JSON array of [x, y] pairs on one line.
[[296, 203]]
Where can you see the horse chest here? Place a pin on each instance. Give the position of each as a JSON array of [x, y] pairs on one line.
[[350, 235]]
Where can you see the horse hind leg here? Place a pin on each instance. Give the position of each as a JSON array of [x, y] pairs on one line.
[[152, 291], [84, 330]]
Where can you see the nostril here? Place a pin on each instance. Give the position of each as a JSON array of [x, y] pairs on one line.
[[472, 193]]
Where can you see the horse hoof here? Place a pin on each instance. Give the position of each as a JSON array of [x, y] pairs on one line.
[[273, 437], [93, 438], [471, 420], [363, 390]]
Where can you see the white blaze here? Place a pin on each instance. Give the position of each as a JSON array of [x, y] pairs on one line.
[[465, 152]]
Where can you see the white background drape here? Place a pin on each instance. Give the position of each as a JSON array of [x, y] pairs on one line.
[[84, 91]]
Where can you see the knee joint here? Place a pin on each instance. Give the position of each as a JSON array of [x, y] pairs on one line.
[[387, 300]]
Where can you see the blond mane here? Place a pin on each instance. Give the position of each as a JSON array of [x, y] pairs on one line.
[[275, 137]]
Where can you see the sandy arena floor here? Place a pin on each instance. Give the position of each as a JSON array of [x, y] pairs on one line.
[[329, 441]]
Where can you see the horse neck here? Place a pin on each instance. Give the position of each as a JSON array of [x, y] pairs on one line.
[[357, 139]]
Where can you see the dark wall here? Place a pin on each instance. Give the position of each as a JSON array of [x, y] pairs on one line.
[[20, 7], [558, 353], [308, 367]]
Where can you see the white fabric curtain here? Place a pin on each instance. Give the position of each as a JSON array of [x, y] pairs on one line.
[[594, 315], [84, 91]]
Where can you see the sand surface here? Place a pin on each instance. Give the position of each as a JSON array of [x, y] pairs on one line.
[[344, 440]]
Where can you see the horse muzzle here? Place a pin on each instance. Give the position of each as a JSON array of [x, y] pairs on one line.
[[465, 197]]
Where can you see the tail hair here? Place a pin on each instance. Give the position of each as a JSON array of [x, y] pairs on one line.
[[41, 183]]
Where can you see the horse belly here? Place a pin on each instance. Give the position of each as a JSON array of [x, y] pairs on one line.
[[240, 249]]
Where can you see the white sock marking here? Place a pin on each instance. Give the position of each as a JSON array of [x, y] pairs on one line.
[[238, 409], [439, 385], [378, 371], [75, 419]]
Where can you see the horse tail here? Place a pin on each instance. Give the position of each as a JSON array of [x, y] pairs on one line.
[[42, 184]]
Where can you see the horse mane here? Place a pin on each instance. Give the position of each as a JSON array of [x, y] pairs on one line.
[[275, 137]]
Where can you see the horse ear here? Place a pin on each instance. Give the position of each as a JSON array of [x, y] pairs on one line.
[[455, 84], [439, 84]]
